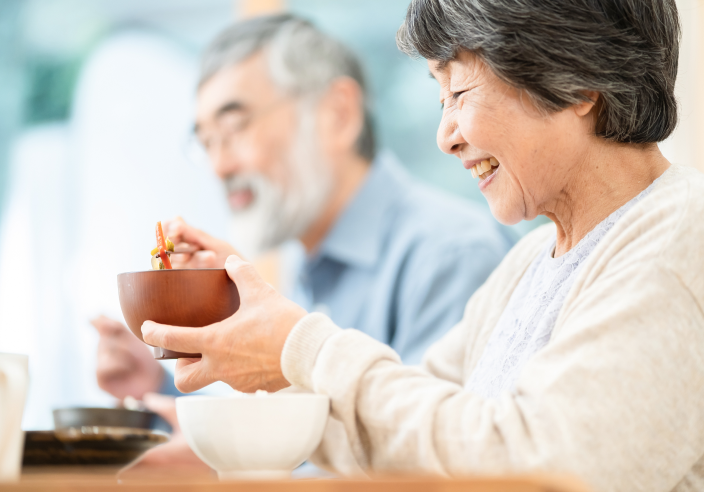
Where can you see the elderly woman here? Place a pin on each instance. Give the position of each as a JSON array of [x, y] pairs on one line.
[[584, 351]]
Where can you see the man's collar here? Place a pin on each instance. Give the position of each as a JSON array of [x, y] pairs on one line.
[[359, 234]]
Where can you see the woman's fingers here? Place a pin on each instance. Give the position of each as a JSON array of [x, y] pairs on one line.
[[248, 281], [191, 375], [176, 338]]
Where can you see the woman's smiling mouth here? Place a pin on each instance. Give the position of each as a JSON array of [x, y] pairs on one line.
[[484, 168]]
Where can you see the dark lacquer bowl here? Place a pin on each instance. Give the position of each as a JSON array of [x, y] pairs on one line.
[[193, 298]]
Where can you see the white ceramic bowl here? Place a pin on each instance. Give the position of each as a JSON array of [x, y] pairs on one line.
[[253, 436]]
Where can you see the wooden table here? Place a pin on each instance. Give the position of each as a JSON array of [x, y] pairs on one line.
[[178, 479]]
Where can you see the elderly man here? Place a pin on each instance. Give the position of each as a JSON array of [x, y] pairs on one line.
[[281, 116]]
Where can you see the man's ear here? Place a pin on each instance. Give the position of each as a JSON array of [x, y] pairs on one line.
[[341, 113], [583, 108]]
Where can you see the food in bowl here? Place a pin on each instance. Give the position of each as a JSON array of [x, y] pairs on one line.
[[161, 255]]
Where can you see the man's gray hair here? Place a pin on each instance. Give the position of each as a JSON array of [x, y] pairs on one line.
[[555, 50], [303, 61]]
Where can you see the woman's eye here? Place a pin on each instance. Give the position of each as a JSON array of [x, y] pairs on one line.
[[454, 96]]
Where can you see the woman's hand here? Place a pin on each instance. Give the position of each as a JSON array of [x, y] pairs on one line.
[[212, 252], [245, 349]]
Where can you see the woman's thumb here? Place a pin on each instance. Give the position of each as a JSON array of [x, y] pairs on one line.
[[243, 274]]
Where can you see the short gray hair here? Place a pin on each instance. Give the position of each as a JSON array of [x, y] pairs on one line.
[[626, 50], [303, 61]]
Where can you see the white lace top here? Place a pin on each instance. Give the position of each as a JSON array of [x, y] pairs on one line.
[[527, 322]]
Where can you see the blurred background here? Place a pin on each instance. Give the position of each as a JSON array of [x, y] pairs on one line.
[[96, 104]]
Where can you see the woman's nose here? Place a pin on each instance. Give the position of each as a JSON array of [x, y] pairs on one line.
[[449, 138]]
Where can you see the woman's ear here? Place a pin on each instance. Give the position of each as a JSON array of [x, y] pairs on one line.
[[583, 108], [341, 114]]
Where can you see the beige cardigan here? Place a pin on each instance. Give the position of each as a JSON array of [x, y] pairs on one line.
[[616, 397]]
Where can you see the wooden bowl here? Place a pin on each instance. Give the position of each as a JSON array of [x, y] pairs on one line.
[[193, 298]]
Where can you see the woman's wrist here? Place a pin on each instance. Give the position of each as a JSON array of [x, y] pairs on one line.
[[302, 346]]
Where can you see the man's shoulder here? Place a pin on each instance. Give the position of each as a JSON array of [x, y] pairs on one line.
[[428, 214]]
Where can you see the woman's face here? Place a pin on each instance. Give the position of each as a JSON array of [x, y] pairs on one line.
[[537, 153]]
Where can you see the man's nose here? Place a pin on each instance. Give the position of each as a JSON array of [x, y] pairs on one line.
[[223, 162], [449, 138]]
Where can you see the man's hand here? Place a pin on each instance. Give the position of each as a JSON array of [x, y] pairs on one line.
[[126, 366], [211, 253], [245, 349], [176, 451]]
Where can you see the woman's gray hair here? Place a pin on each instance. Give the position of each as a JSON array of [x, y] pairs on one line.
[[555, 50], [303, 61]]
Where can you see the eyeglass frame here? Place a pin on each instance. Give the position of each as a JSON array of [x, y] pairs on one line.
[[225, 137]]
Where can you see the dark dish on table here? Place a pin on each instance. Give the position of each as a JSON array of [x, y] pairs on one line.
[[76, 417], [95, 436], [106, 446]]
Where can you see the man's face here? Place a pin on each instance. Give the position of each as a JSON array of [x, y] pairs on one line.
[[245, 124], [263, 144]]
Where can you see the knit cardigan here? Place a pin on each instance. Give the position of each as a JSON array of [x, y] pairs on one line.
[[616, 397]]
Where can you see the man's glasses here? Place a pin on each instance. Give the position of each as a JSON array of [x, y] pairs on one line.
[[204, 146]]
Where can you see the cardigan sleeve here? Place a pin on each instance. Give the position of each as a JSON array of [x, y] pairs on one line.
[[616, 398]]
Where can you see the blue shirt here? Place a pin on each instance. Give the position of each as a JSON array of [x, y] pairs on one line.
[[401, 261]]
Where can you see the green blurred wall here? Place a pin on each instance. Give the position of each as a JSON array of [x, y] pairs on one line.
[[11, 94]]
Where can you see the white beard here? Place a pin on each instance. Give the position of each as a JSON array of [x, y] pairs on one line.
[[280, 213]]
